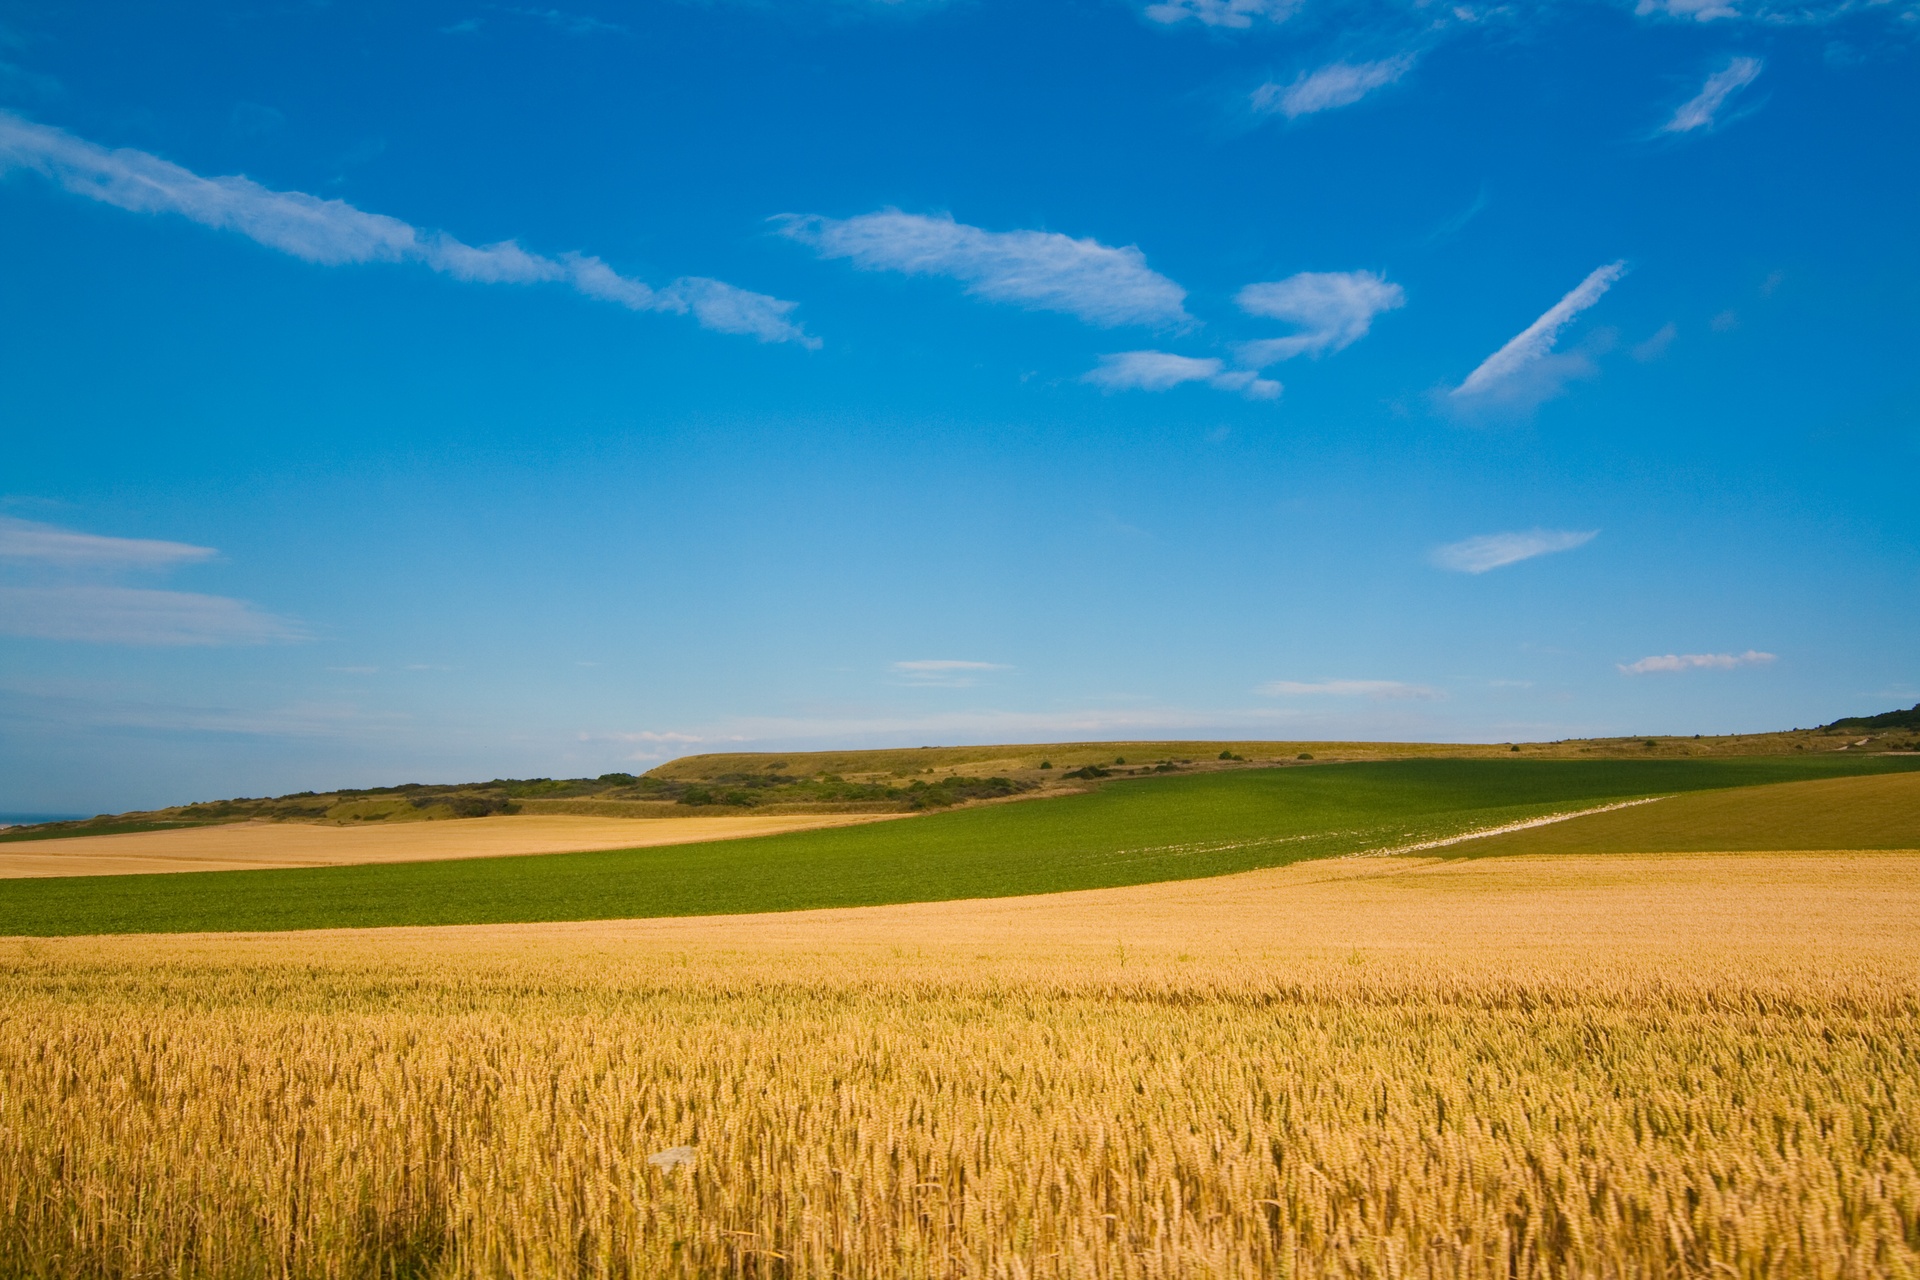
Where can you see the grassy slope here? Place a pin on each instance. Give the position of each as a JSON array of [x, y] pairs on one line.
[[1021, 759], [1832, 813], [1136, 832], [892, 780]]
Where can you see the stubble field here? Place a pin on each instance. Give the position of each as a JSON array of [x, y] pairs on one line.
[[1571, 1065]]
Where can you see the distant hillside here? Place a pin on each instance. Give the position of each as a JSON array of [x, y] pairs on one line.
[[1031, 760], [767, 789], [1908, 719], [905, 780]]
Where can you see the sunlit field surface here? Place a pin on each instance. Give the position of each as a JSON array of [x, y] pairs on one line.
[[257, 846], [1570, 1065], [1137, 831]]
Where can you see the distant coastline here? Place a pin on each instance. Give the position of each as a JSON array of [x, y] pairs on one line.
[[30, 819]]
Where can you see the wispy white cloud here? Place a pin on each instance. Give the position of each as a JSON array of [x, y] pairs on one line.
[[1688, 10], [1390, 690], [1067, 724], [1334, 310], [1338, 84], [661, 745], [78, 606], [1458, 222], [1699, 111], [1696, 662], [1520, 373], [335, 233], [573, 24], [18, 82], [1774, 13], [727, 308], [949, 673], [1237, 14], [1491, 550], [1656, 343], [1039, 270], [1150, 370], [29, 542], [65, 708], [947, 664], [648, 735], [1163, 370], [127, 615]]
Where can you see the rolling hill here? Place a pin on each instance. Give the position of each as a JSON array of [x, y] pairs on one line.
[[1122, 831], [909, 780]]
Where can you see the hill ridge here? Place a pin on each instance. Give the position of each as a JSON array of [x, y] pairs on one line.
[[910, 779]]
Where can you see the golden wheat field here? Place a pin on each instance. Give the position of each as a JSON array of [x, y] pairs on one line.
[[252, 846], [1676, 1065]]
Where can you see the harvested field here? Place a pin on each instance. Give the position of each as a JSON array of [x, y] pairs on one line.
[[245, 846], [1668, 1065]]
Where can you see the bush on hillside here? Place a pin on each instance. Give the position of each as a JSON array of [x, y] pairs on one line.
[[1909, 719]]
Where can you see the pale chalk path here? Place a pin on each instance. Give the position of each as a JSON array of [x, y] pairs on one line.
[[255, 846]]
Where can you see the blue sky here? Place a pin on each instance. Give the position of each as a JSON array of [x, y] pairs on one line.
[[454, 390]]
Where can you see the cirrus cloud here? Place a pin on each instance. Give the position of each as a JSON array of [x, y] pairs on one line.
[[63, 596], [1525, 371], [1671, 662], [30, 542], [1163, 370], [950, 673], [1338, 84], [1040, 270], [1700, 111], [1233, 14], [135, 616], [335, 233], [1386, 690], [1492, 550], [1687, 10], [947, 664], [1334, 310]]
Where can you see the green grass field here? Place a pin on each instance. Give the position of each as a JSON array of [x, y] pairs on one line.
[[1133, 832], [1868, 812]]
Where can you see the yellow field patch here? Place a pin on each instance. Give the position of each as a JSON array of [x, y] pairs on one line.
[[257, 845], [1777, 911], [1596, 1066]]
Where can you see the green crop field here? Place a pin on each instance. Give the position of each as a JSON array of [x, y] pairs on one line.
[[1132, 832], [1864, 812]]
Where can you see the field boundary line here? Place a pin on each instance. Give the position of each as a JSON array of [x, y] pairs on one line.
[[1549, 820]]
